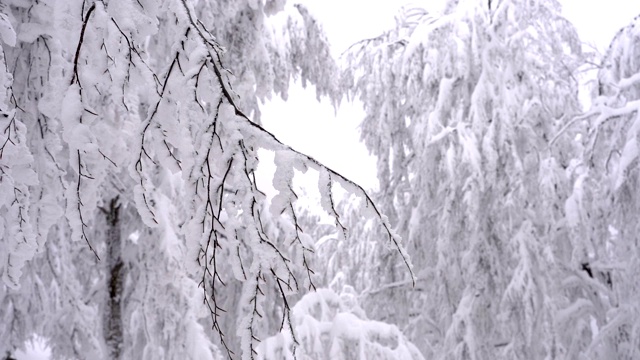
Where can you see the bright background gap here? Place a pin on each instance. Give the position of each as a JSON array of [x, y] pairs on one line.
[[333, 137]]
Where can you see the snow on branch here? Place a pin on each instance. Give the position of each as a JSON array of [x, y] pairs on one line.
[[196, 127], [334, 324], [17, 238], [134, 101], [238, 138]]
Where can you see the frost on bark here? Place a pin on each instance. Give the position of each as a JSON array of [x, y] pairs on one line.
[[113, 322]]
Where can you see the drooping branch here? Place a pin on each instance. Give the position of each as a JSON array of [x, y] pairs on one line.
[[75, 77], [215, 59]]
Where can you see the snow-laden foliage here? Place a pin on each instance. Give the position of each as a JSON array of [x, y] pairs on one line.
[[461, 108], [155, 279], [333, 326], [605, 204], [148, 107]]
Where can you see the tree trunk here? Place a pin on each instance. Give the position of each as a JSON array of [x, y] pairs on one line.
[[115, 281]]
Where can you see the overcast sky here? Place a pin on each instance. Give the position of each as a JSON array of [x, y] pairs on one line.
[[333, 138]]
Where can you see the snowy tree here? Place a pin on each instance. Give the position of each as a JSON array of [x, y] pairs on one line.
[[462, 108], [604, 204], [128, 173]]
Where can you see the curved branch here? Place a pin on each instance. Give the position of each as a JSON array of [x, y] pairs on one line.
[[217, 66]]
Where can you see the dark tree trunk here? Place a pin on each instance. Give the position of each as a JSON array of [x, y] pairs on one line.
[[115, 281]]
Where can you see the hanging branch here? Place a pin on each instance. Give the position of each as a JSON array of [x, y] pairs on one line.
[[75, 79], [227, 91]]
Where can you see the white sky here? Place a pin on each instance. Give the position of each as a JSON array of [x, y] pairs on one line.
[[315, 129], [598, 21]]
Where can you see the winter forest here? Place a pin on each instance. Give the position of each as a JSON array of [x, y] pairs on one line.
[[147, 213]]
